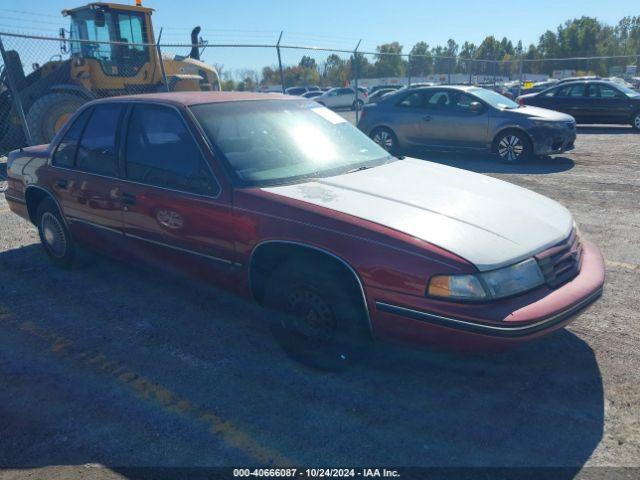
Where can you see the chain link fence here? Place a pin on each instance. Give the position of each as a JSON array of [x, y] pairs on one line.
[[43, 80]]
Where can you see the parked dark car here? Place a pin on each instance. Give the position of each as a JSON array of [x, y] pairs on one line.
[[289, 205], [312, 94], [372, 90], [459, 117], [381, 92], [590, 101]]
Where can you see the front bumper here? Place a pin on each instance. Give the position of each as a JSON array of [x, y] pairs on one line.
[[493, 325], [553, 140]]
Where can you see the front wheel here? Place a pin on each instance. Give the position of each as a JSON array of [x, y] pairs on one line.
[[385, 138], [321, 322], [636, 122], [512, 147]]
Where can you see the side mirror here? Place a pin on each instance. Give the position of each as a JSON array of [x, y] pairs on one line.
[[475, 107], [99, 18]]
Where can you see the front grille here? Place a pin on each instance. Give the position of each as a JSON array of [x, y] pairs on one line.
[[562, 262]]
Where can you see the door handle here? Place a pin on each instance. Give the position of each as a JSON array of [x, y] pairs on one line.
[[427, 118], [128, 199], [62, 184]]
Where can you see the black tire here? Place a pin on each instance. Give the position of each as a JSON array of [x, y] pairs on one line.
[[49, 113], [357, 105], [386, 138], [322, 321], [54, 235], [512, 146], [635, 122]]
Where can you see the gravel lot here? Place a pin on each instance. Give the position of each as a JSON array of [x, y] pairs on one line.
[[111, 366]]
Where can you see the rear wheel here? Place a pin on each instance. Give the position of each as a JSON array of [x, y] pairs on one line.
[[512, 147], [49, 113], [385, 138], [635, 123], [323, 321], [56, 239], [357, 105]]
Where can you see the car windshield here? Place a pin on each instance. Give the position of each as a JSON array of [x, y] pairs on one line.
[[494, 99], [268, 142]]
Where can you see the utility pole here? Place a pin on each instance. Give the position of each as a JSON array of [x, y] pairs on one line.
[[356, 63], [280, 61]]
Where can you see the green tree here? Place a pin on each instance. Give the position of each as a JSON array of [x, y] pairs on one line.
[[333, 69], [420, 62], [389, 63]]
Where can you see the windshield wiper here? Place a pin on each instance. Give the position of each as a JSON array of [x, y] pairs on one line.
[[358, 169]]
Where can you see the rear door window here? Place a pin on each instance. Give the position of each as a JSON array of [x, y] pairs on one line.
[[413, 100], [161, 151], [98, 151], [572, 91], [65, 155]]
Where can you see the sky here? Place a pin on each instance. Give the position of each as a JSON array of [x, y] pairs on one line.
[[330, 23]]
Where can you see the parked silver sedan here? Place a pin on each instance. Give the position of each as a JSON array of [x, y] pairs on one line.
[[466, 118]]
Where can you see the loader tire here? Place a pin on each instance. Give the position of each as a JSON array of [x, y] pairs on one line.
[[49, 113]]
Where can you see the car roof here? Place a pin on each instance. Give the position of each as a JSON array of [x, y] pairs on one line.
[[462, 88], [195, 98]]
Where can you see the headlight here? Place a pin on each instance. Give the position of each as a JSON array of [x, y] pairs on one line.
[[517, 278], [544, 123], [499, 283]]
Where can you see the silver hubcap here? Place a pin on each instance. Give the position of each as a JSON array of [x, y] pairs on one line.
[[384, 139], [510, 148], [53, 235], [636, 121]]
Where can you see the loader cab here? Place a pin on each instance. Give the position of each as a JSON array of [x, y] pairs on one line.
[[130, 26]]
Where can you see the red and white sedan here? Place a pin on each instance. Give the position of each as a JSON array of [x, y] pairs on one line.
[[284, 202]]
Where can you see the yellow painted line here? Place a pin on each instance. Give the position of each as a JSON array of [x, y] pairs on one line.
[[628, 266], [146, 389], [2, 210]]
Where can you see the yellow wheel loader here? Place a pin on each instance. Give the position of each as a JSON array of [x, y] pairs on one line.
[[129, 64]]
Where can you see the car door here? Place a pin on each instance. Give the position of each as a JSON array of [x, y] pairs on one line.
[[94, 210], [572, 100], [331, 98], [346, 97], [63, 174], [175, 214], [454, 122], [608, 104], [410, 120]]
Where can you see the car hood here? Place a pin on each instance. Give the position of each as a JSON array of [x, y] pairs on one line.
[[486, 221], [540, 113]]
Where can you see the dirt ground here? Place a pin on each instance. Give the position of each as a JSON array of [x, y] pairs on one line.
[[111, 366]]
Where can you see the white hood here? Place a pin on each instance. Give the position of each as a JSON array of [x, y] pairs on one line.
[[488, 222]]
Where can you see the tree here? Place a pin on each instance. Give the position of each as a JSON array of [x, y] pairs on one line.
[[308, 62], [467, 52], [420, 60], [332, 72], [389, 63]]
